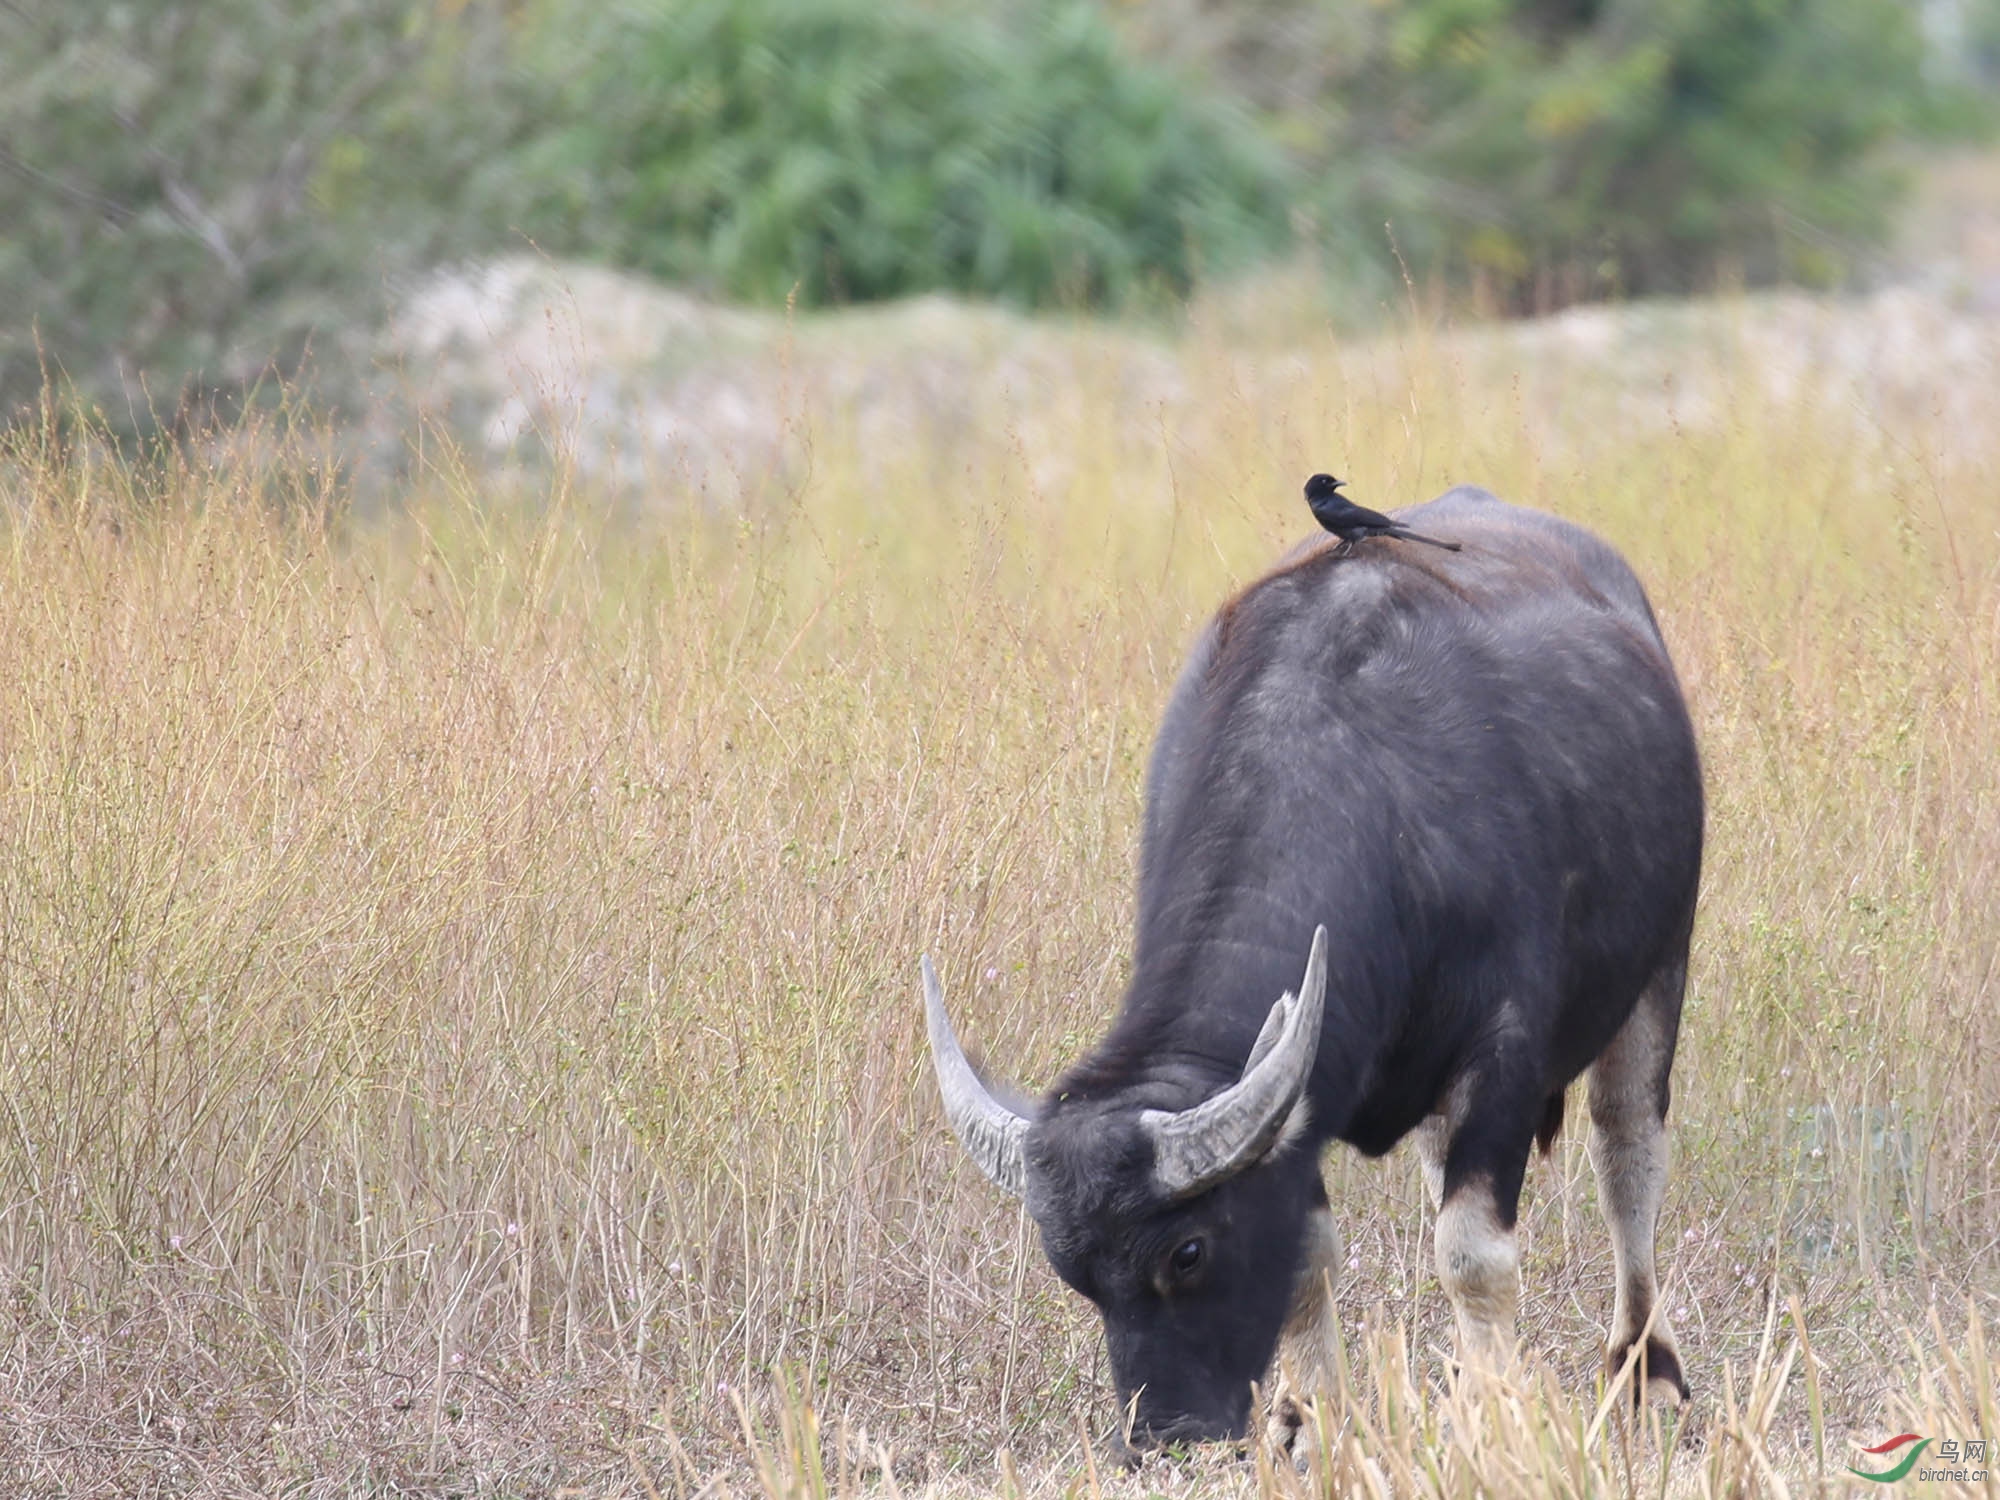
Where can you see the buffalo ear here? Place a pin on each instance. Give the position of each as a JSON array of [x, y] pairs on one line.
[[1193, 1149], [993, 1133]]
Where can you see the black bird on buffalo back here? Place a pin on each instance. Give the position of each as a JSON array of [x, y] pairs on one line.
[[1351, 522]]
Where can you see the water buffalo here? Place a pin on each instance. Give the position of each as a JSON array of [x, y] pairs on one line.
[[1463, 788]]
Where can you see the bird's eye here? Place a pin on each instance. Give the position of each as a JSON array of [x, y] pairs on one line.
[[1186, 1257]]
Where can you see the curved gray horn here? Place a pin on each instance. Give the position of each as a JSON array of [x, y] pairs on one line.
[[1196, 1148], [992, 1133]]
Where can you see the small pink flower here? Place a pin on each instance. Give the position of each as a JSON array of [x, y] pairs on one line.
[[991, 975], [512, 1229], [175, 1241]]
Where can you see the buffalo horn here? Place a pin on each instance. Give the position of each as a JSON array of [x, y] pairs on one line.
[[1194, 1149], [991, 1132]]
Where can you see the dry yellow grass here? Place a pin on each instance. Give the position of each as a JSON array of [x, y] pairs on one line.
[[458, 1023]]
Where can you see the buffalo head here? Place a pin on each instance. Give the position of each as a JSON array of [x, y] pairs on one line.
[[1181, 1218]]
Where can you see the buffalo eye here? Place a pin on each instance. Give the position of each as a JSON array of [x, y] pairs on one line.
[[1186, 1259]]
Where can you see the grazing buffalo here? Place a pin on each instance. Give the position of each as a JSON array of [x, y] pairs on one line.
[[1461, 790]]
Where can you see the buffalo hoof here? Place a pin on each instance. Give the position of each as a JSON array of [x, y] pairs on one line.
[[1119, 1451], [1284, 1425], [1292, 1431], [1131, 1449], [1656, 1374]]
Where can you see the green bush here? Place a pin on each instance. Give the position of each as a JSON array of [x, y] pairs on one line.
[[197, 193], [856, 150], [1609, 145]]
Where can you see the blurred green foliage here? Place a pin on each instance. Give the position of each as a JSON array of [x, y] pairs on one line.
[[194, 192], [1555, 149], [855, 149], [1979, 57]]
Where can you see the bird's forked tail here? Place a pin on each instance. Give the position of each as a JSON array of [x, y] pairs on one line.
[[1429, 541]]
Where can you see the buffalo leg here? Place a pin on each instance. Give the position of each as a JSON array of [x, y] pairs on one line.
[[1628, 1147], [1473, 1150], [1305, 1365], [1481, 1269], [1475, 1153], [1434, 1137]]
